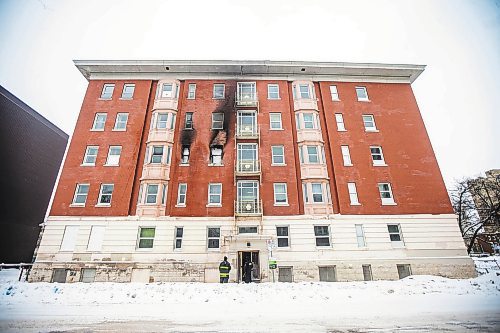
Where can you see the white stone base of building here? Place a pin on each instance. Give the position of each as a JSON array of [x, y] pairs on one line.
[[431, 245]]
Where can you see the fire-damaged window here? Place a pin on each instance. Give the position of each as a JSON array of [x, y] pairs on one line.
[[217, 120], [188, 124], [216, 155], [185, 154]]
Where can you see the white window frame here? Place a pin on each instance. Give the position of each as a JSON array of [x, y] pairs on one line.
[[139, 238], [334, 93], [346, 155], [273, 155], [372, 120], [313, 193], [101, 194], [77, 194], [158, 121], [96, 238], [362, 99], [178, 238], [276, 193], [307, 157], [119, 121], [269, 91], [339, 119], [210, 195], [69, 238], [94, 124], [377, 162], [223, 91], [153, 155], [353, 194], [386, 201], [165, 93], [115, 162], [128, 86], [209, 238], [322, 236], [191, 91], [216, 122], [287, 237], [279, 121], [399, 233], [309, 93], [181, 197], [360, 235], [104, 91], [151, 194], [88, 155]]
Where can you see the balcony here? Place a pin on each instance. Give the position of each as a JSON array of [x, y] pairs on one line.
[[247, 167], [248, 207], [247, 132]]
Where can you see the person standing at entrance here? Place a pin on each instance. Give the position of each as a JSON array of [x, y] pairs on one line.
[[224, 269], [248, 271]]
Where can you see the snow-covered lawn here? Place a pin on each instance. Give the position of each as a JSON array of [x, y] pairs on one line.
[[414, 304]]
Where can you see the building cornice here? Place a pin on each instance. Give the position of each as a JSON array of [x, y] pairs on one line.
[[236, 69]]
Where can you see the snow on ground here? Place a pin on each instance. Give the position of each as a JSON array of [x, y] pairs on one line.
[[414, 304]]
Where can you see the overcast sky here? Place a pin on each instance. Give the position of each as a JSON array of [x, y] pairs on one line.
[[459, 41]]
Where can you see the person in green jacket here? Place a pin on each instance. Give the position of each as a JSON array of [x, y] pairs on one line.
[[224, 269]]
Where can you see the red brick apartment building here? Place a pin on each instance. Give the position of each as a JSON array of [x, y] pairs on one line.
[[175, 164]]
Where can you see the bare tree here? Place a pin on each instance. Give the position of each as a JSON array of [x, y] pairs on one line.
[[477, 205]]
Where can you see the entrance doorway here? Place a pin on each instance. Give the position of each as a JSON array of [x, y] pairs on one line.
[[243, 258]]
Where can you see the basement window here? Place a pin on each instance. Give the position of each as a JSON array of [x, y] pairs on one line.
[[216, 155], [146, 238], [88, 275], [185, 155], [247, 230]]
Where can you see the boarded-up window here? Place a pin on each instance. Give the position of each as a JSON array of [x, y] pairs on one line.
[[69, 238], [88, 275], [404, 271], [328, 274], [367, 272], [59, 275], [285, 274], [95, 238]]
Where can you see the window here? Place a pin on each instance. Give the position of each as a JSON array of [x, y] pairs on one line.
[[322, 234], [215, 194], [317, 192], [283, 236], [403, 271], [88, 275], [247, 230], [216, 155], [275, 121], [156, 155], [151, 193], [369, 122], [163, 194], [81, 192], [361, 93], [114, 155], [69, 238], [188, 124], [386, 194], [285, 274], [105, 194], [247, 93], [121, 122], [219, 90], [367, 273], [192, 91], [217, 120], [161, 120], [273, 91], [334, 93], [280, 194], [327, 274], [312, 154], [146, 238], [346, 156], [185, 155], [166, 90], [339, 118], [213, 238], [308, 120], [305, 192], [128, 91], [181, 194], [278, 155], [377, 156], [107, 91], [90, 155], [353, 194], [360, 235], [305, 91], [395, 234], [95, 239], [99, 121], [179, 232]]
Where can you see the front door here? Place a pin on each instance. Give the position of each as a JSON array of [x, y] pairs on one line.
[[243, 258]]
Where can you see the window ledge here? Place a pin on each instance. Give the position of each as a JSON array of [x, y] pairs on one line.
[[182, 164], [348, 165], [276, 129], [87, 165], [273, 99], [111, 165], [96, 130], [380, 165], [278, 165], [364, 100], [105, 99], [214, 205], [76, 205], [335, 100], [344, 130], [144, 249], [355, 204], [213, 250], [372, 130], [389, 204], [103, 205], [215, 165], [180, 206], [218, 97], [216, 129], [281, 204], [125, 99], [119, 130]]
